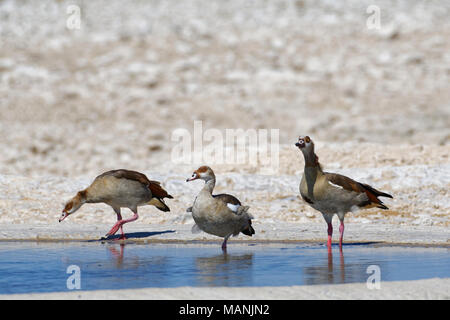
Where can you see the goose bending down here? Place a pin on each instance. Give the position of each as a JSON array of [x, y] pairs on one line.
[[120, 189], [222, 215], [332, 193]]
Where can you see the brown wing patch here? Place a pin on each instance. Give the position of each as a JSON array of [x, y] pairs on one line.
[[227, 198], [158, 191], [352, 185], [344, 182], [127, 174], [154, 186]]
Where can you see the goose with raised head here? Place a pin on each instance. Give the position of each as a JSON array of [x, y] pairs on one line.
[[332, 193]]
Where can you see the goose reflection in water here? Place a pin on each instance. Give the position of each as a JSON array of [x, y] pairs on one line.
[[133, 261], [326, 272], [334, 271], [224, 269], [117, 254]]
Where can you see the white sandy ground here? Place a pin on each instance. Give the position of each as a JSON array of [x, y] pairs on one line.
[[418, 178], [435, 288]]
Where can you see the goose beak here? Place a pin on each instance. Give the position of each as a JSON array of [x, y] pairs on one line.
[[300, 144], [194, 177], [63, 216]]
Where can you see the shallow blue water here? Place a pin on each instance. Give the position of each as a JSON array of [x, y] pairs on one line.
[[42, 267]]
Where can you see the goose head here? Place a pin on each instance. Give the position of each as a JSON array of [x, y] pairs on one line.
[[305, 144], [73, 205], [204, 173]]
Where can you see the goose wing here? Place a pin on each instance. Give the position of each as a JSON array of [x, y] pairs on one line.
[[231, 201], [154, 186], [348, 184]]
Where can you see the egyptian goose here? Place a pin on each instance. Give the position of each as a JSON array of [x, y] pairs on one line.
[[120, 189], [332, 193], [222, 215]]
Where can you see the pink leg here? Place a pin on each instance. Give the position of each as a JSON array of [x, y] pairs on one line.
[[341, 232], [122, 235], [119, 224], [114, 228], [330, 233]]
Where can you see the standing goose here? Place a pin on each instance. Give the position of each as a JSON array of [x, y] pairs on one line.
[[120, 189], [222, 214], [332, 193]]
